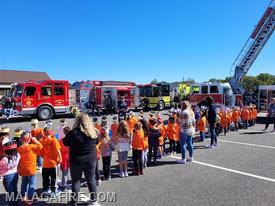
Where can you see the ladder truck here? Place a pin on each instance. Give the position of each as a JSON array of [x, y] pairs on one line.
[[252, 48]]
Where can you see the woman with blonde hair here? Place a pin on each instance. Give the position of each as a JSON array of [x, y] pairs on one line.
[[187, 131], [123, 147], [81, 141]]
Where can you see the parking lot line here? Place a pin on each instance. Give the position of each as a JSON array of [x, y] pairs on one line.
[[248, 144], [230, 170]]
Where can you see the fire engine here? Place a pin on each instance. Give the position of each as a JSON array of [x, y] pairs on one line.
[[220, 92], [265, 94], [42, 99], [99, 91], [156, 95]]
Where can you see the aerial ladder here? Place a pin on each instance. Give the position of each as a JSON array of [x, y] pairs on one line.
[[252, 48]]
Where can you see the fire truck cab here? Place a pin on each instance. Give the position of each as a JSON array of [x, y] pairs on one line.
[[43, 99], [115, 90], [220, 92]]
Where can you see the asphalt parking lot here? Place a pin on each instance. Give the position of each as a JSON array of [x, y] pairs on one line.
[[240, 171]]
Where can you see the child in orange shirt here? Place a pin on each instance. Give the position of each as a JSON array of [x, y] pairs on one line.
[[52, 157], [96, 124], [131, 121], [27, 165], [177, 139], [254, 115], [245, 117], [225, 121], [201, 124], [114, 127], [235, 118], [161, 138], [37, 132], [64, 165], [171, 133], [138, 147]]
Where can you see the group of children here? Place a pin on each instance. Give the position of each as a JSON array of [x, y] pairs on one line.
[[42, 149], [31, 150]]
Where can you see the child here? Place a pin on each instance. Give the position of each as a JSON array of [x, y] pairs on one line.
[[245, 117], [201, 124], [104, 123], [17, 136], [27, 165], [123, 147], [52, 157], [162, 137], [37, 132], [235, 118], [114, 127], [8, 164], [131, 121], [106, 152], [64, 165], [98, 155], [171, 133], [153, 140], [225, 121], [96, 124], [138, 147]]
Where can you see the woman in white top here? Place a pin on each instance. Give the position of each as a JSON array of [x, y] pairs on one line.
[[187, 131]]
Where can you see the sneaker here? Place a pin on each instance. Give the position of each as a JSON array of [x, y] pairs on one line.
[[98, 182], [216, 144], [126, 174], [122, 174], [57, 192], [211, 146], [189, 159], [90, 203], [182, 161], [109, 178], [141, 172]]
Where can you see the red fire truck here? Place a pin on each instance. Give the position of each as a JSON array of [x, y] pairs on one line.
[[43, 99], [99, 91], [220, 92]]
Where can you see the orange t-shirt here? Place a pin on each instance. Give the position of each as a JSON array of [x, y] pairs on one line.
[[235, 116], [28, 156], [171, 131], [255, 113], [163, 134], [138, 140], [201, 124], [114, 132], [131, 124], [50, 150], [98, 127], [177, 127], [245, 115], [37, 133]]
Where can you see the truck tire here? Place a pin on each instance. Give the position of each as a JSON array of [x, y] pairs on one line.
[[44, 113], [161, 105]]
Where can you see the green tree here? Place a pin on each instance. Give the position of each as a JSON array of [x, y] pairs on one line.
[[154, 81]]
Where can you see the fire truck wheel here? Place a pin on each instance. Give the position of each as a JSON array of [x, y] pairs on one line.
[[45, 113], [161, 105]]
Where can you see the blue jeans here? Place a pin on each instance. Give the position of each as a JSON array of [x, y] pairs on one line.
[[186, 143], [28, 186], [202, 136], [10, 185], [39, 161], [213, 135]]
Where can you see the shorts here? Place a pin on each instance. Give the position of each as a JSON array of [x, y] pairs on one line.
[[122, 156]]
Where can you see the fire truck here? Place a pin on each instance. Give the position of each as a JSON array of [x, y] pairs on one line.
[[220, 92], [42, 99], [155, 95], [99, 91]]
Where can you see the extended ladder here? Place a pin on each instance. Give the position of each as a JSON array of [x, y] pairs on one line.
[[253, 47]]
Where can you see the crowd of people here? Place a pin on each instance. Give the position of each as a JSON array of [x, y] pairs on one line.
[[80, 148]]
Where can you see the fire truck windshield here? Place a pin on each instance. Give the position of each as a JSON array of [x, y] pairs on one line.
[[16, 91]]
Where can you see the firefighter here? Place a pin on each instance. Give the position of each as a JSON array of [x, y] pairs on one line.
[[122, 108]]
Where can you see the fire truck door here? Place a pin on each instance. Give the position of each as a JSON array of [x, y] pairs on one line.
[[59, 95], [46, 95]]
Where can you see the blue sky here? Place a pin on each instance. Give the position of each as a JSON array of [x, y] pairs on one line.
[[136, 40]]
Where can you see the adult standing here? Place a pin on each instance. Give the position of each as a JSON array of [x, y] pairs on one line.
[[153, 140], [211, 118], [187, 131], [271, 115], [122, 108], [81, 141]]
